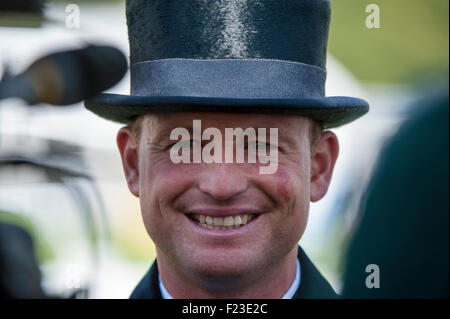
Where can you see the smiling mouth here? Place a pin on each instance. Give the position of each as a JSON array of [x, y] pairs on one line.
[[222, 223]]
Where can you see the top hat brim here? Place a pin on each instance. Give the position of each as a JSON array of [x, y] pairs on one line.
[[330, 111]]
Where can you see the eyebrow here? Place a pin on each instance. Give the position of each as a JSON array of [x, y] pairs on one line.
[[165, 133]]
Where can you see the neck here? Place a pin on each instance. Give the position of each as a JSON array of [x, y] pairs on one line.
[[272, 283]]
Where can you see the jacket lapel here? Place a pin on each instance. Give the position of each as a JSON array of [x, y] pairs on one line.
[[148, 287], [312, 284]]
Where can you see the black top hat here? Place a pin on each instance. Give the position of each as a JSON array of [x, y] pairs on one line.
[[260, 56]]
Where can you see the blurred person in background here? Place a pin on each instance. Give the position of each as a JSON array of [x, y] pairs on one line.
[[226, 230], [400, 248]]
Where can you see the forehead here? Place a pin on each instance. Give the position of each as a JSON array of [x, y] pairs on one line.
[[162, 123]]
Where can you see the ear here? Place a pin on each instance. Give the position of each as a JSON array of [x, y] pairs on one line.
[[322, 164], [128, 149]]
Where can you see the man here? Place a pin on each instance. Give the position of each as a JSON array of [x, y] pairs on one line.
[[228, 229]]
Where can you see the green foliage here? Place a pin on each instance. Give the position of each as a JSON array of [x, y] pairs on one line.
[[412, 39]]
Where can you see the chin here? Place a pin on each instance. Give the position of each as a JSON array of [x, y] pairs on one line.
[[223, 263]]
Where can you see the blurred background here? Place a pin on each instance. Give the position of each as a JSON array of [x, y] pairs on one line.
[[60, 173]]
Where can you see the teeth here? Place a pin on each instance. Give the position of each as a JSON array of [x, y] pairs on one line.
[[218, 221], [222, 223], [228, 221]]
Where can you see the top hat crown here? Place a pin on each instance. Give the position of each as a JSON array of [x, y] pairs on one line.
[[229, 56], [290, 30]]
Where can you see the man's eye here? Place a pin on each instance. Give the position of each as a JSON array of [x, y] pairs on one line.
[[185, 143], [257, 145]]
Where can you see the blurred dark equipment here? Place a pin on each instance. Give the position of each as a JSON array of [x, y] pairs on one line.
[[404, 228], [61, 78], [35, 6], [19, 272], [22, 13], [67, 77]]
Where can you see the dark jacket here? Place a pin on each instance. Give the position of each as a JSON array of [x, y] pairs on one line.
[[312, 283]]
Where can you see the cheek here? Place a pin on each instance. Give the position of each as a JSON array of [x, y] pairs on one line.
[[292, 193], [162, 180], [161, 183], [285, 188], [289, 222]]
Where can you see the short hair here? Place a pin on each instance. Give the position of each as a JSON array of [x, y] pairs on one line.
[[135, 125], [315, 131]]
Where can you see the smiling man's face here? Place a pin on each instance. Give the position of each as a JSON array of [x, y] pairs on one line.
[[268, 212]]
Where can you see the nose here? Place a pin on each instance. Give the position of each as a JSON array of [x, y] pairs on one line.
[[222, 181]]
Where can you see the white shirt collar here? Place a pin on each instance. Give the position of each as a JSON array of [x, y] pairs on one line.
[[295, 284], [165, 294], [288, 295]]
